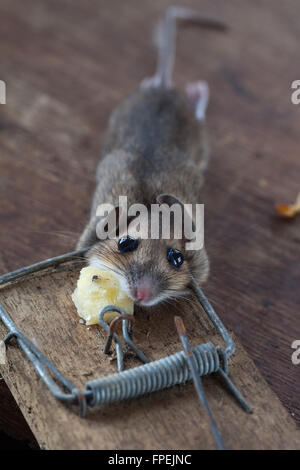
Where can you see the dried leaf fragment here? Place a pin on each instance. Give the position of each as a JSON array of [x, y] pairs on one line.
[[289, 210]]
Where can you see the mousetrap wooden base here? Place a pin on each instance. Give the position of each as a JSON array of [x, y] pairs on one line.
[[42, 309]]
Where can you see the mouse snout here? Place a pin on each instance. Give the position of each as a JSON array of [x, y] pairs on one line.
[[144, 291]]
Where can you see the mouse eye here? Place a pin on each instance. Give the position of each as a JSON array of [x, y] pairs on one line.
[[175, 257], [127, 244]]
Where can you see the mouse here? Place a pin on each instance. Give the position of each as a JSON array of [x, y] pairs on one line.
[[155, 151]]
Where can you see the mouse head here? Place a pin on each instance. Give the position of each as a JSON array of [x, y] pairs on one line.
[[150, 270]]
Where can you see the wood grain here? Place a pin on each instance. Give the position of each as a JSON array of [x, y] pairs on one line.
[[67, 63], [169, 419]]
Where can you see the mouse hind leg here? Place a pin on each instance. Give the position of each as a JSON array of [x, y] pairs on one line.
[[198, 94]]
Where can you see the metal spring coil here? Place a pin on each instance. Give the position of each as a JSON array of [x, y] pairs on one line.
[[153, 376]]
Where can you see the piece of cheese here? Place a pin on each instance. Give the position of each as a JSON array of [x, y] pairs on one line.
[[96, 289]]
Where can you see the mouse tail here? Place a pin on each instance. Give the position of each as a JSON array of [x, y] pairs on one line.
[[165, 39]]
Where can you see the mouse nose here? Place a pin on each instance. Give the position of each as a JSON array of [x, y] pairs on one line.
[[143, 291]]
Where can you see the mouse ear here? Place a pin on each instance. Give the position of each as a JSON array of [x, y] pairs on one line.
[[109, 219], [168, 199], [187, 213]]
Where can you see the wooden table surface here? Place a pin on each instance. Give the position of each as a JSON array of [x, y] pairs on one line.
[[68, 63]]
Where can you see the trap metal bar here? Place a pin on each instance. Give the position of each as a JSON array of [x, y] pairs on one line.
[[189, 364]]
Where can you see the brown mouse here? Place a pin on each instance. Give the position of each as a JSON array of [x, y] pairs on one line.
[[155, 151]]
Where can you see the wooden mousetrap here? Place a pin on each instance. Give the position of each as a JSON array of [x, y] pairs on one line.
[[40, 306]]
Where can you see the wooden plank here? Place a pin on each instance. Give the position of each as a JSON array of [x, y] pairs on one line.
[[66, 65], [169, 419]]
